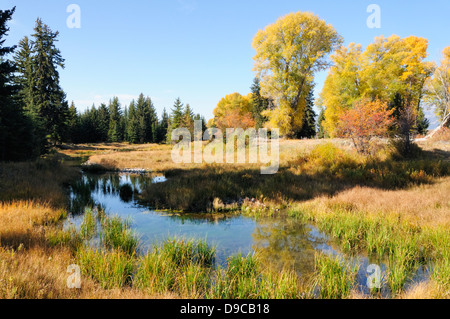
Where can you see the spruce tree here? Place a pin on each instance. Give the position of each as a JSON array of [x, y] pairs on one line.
[[321, 130], [15, 129], [103, 122], [151, 121], [25, 77], [188, 120], [309, 118], [176, 119], [73, 123], [163, 126], [115, 132], [259, 104], [133, 124], [422, 122], [48, 97]]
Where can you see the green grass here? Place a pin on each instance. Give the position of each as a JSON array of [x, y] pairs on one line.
[[110, 268], [247, 278], [117, 233], [178, 265], [88, 227], [334, 277]]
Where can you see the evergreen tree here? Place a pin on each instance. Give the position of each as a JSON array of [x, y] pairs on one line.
[[15, 128], [259, 104], [103, 122], [321, 131], [133, 127], [422, 122], [176, 118], [115, 132], [163, 127], [309, 118], [25, 79], [188, 120], [48, 97], [73, 124]]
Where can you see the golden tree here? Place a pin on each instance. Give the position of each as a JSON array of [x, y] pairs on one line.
[[288, 53], [388, 67]]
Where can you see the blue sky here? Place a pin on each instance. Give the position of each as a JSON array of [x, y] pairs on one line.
[[197, 50]]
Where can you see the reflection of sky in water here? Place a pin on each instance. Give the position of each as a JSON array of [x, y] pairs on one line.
[[229, 234], [280, 241]]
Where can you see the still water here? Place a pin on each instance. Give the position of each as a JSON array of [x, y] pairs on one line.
[[279, 241]]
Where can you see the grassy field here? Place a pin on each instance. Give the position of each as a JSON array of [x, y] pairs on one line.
[[382, 205]]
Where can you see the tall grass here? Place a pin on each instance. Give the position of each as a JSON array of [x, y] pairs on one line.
[[117, 233], [334, 278], [247, 278], [110, 268], [88, 227], [178, 265]]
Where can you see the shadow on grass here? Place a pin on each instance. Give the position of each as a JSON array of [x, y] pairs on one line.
[[196, 189]]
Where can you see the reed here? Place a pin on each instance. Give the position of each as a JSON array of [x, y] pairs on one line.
[[334, 278], [117, 233], [246, 278], [110, 268]]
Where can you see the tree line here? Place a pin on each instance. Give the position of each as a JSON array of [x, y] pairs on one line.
[[35, 114]]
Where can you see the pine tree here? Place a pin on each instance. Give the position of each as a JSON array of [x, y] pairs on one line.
[[103, 122], [188, 120], [309, 118], [15, 128], [115, 132], [48, 97], [163, 126], [422, 122], [151, 120], [73, 123], [176, 119], [132, 124], [259, 104], [25, 78], [321, 131]]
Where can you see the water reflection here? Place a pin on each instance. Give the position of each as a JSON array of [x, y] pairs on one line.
[[288, 242], [281, 241]]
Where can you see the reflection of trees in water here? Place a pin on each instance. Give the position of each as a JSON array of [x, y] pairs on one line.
[[123, 186], [197, 218], [286, 243]]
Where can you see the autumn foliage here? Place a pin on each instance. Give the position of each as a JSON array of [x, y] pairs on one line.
[[233, 111], [365, 121]]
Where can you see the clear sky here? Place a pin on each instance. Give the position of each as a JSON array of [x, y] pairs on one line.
[[197, 50]]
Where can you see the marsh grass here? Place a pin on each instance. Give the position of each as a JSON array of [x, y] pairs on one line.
[[117, 233], [178, 265], [335, 278], [88, 227], [110, 268], [246, 278]]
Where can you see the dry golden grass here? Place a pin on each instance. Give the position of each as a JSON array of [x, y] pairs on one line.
[[39, 181], [41, 273], [22, 223], [427, 205], [30, 267], [158, 158]]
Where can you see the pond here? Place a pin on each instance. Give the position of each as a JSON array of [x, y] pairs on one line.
[[279, 241]]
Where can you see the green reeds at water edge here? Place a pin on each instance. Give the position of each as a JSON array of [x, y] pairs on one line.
[[178, 265], [186, 268], [334, 278], [246, 278], [110, 268]]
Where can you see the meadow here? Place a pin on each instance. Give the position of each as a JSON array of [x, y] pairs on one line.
[[382, 205]]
